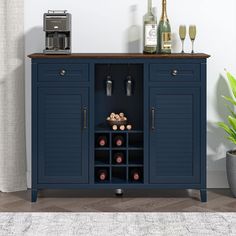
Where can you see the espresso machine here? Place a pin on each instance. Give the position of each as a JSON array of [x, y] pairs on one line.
[[57, 27]]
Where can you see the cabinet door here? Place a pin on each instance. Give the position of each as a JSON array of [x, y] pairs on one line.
[[174, 135], [62, 135]]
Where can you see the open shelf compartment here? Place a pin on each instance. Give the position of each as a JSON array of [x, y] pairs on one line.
[[135, 157], [102, 157], [116, 153], [139, 170], [96, 175], [119, 102], [119, 175], [135, 140], [98, 137]]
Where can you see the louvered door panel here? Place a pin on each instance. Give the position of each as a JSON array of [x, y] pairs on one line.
[[175, 135], [62, 139]]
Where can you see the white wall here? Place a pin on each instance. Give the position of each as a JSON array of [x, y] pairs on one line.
[[104, 26]]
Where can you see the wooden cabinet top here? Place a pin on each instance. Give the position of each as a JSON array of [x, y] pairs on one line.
[[121, 56]]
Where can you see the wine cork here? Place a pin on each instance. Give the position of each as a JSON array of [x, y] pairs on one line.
[[112, 115], [114, 127], [122, 127], [129, 127], [117, 117]]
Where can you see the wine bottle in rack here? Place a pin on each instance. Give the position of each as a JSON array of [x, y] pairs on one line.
[[119, 158], [102, 141], [149, 31], [102, 175], [164, 32], [119, 141], [135, 175]]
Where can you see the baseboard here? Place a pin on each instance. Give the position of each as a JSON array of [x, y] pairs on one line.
[[215, 179]]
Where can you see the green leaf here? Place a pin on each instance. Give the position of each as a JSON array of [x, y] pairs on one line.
[[233, 133], [232, 82], [230, 128], [232, 122], [225, 127], [233, 140], [231, 100], [231, 110]]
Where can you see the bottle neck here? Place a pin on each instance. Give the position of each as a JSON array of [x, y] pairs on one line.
[[164, 12], [149, 6]]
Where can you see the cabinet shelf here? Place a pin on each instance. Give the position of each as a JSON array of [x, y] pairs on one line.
[[119, 149], [101, 165], [102, 182], [138, 182], [135, 148], [135, 165], [118, 165], [118, 181], [118, 131], [102, 149]]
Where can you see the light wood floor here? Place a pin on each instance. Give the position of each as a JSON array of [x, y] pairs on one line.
[[219, 200]]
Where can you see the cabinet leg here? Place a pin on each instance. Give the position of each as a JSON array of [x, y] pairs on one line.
[[203, 193], [34, 194]]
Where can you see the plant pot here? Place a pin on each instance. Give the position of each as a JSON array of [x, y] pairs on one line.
[[231, 170]]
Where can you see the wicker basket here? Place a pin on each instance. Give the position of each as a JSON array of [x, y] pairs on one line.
[[116, 122]]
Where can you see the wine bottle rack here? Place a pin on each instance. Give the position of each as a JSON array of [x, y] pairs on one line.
[[121, 152], [131, 150], [107, 169], [106, 135]]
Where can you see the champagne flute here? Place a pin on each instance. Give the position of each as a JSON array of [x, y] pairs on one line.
[[192, 35], [182, 35]]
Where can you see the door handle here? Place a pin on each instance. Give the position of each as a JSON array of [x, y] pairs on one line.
[[85, 117], [153, 118]]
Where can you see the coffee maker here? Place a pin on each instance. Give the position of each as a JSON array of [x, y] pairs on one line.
[[57, 27]]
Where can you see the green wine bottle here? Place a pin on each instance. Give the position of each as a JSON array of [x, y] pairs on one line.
[[149, 31], [164, 32]]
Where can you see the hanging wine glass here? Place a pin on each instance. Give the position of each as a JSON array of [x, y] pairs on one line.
[[182, 35], [192, 35]]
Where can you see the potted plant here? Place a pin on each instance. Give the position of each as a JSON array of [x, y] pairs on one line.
[[230, 129]]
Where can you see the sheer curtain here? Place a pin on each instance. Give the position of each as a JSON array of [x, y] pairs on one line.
[[12, 104]]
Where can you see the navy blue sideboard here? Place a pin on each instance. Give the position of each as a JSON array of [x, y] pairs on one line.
[[167, 110]]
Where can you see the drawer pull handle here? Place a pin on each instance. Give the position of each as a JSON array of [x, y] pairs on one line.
[[63, 72], [153, 118], [174, 72], [85, 117]]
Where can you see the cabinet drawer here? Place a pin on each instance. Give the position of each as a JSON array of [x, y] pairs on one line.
[[174, 72], [63, 72]]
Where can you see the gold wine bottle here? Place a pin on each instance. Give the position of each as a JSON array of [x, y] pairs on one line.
[[149, 31], [164, 32]]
